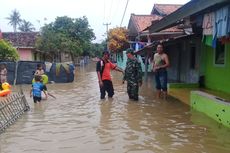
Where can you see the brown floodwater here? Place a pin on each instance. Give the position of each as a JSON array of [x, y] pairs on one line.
[[79, 122]]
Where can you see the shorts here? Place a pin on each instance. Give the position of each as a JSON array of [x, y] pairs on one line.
[[37, 99], [161, 80]]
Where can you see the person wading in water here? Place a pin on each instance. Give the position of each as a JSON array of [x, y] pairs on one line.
[[104, 76], [160, 63]]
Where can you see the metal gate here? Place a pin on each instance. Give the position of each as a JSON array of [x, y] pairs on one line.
[[11, 108]]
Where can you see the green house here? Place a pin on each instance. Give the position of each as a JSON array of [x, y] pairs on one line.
[[198, 58]]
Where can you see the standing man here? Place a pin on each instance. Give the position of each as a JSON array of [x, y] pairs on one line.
[[104, 76], [160, 63], [133, 75]]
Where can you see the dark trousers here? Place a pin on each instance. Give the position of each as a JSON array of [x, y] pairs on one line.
[[107, 87], [132, 90]]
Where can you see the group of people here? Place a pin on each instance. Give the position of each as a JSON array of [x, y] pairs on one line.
[[39, 86], [133, 73]]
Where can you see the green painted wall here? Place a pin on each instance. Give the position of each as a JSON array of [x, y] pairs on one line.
[[216, 77], [122, 62], [211, 106]]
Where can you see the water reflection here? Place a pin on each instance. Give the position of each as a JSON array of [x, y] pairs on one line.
[[78, 121]]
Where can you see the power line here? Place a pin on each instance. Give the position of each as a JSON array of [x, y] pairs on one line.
[[124, 12], [107, 31]]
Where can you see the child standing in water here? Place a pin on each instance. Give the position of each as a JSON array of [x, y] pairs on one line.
[[36, 90], [3, 74], [39, 70]]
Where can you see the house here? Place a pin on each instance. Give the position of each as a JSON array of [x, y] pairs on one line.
[[202, 57], [24, 42], [164, 9], [140, 37], [138, 23]]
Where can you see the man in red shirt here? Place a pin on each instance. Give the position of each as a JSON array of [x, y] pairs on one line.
[[104, 77]]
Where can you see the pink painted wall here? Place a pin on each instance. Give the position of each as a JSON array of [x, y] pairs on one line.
[[25, 54]]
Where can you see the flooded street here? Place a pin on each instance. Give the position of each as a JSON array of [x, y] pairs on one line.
[[78, 121]]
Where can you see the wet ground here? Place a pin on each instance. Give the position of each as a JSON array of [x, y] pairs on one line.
[[78, 121]]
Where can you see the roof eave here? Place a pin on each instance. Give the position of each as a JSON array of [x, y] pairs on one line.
[[188, 9]]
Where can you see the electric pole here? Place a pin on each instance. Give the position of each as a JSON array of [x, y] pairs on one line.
[[107, 33]]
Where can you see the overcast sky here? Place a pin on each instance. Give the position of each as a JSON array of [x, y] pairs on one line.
[[98, 12]]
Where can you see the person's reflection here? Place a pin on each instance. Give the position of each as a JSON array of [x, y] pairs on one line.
[[104, 129], [39, 112]]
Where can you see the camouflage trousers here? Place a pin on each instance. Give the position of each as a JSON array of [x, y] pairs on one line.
[[132, 89]]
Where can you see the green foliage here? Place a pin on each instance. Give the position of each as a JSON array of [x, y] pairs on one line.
[[118, 39], [14, 19], [8, 52], [97, 49], [26, 26], [66, 35]]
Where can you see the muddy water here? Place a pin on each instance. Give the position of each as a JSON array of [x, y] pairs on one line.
[[78, 121]]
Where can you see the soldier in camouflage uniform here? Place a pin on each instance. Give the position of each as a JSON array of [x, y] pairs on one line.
[[133, 75]]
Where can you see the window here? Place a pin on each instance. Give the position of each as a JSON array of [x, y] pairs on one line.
[[220, 54]]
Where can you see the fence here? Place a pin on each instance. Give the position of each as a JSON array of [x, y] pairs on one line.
[[11, 108]]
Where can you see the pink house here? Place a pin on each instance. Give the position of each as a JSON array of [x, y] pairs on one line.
[[24, 42]]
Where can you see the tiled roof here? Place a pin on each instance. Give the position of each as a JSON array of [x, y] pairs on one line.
[[143, 21], [165, 9], [21, 39]]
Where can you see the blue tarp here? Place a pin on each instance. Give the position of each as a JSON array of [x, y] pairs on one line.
[[26, 71], [64, 76]]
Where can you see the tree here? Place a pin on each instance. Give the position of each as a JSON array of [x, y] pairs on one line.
[[118, 39], [14, 19], [26, 26], [66, 35], [8, 52], [96, 49]]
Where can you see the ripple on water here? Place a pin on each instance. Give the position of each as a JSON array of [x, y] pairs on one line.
[[78, 121]]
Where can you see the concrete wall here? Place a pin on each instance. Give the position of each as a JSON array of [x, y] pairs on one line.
[[212, 106]]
